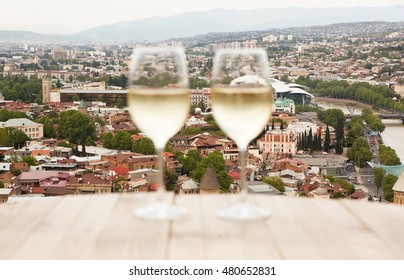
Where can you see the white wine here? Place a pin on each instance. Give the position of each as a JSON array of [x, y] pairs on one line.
[[159, 113], [242, 113]]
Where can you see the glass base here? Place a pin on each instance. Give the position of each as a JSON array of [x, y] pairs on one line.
[[160, 212], [243, 212]]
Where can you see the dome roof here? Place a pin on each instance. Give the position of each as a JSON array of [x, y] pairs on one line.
[[209, 180], [321, 190]]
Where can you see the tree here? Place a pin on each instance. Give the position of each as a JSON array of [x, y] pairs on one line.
[[17, 138], [337, 195], [76, 128], [388, 156], [190, 161], [214, 159], [378, 174], [202, 106], [273, 124], [4, 138], [197, 83], [107, 140], [144, 146], [360, 152], [48, 129], [120, 103], [1, 185], [388, 183], [30, 160], [191, 130], [356, 130], [122, 140], [276, 182], [16, 172], [75, 98], [170, 179]]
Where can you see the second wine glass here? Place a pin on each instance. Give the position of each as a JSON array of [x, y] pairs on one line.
[[242, 100], [158, 100]]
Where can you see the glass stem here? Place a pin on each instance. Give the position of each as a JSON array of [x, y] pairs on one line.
[[243, 177], [161, 188]]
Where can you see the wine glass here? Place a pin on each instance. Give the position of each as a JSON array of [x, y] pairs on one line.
[[242, 100], [158, 100]]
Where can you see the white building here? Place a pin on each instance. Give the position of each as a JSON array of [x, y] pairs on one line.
[[32, 129]]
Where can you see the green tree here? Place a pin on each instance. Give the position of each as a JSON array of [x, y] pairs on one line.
[[16, 172], [388, 156], [276, 182], [170, 179], [30, 160], [107, 140], [356, 130], [191, 130], [349, 188], [122, 140], [75, 98], [97, 119], [201, 105], [378, 174], [337, 195], [1, 185], [17, 138], [4, 138], [360, 152], [190, 161], [144, 146], [76, 127], [48, 129], [120, 103], [214, 159], [6, 115], [388, 183], [197, 83]]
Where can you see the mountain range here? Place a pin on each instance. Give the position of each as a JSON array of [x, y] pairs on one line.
[[218, 20]]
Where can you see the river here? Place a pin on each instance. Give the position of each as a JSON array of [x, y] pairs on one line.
[[392, 136]]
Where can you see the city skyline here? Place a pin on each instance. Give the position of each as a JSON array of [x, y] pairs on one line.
[[43, 17]]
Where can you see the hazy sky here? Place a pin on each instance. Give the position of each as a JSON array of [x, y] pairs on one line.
[[52, 16]]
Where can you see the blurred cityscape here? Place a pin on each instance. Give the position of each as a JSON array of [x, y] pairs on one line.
[[65, 128]]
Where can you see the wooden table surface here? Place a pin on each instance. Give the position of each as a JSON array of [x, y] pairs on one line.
[[103, 227]]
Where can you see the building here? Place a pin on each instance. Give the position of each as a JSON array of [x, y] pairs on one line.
[[250, 44], [189, 186], [172, 163], [44, 182], [278, 142], [4, 194], [132, 161], [209, 183], [398, 190], [270, 38], [46, 90], [88, 183], [59, 54], [201, 95], [284, 105], [109, 96], [32, 129]]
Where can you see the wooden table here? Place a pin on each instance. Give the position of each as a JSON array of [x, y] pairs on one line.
[[103, 227]]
